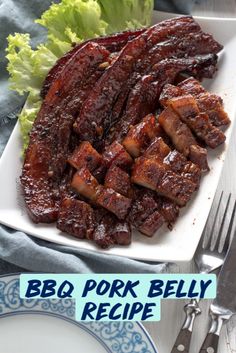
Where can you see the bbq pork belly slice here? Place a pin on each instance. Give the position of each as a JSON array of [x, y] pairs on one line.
[[174, 160], [207, 102], [113, 202], [145, 213], [115, 154], [110, 230], [86, 185], [187, 109], [147, 205], [46, 155], [182, 138], [118, 180], [76, 218], [113, 43], [85, 156], [140, 135], [154, 175]]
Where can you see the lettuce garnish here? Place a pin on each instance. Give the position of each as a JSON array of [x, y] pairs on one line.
[[69, 22]]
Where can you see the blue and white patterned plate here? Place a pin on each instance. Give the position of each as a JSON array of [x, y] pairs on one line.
[[34, 326]]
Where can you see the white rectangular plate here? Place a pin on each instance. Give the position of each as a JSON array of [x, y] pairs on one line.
[[175, 246]]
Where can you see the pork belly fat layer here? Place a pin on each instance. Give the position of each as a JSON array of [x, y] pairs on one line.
[[113, 202], [76, 218], [152, 174]]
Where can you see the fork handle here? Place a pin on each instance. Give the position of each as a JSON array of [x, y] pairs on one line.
[[210, 344], [182, 343]]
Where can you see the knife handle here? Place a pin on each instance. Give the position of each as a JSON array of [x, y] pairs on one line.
[[182, 343], [210, 344]]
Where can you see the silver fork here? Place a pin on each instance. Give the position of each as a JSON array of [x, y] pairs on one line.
[[209, 256]]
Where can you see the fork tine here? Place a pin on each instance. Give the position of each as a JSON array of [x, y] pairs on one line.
[[219, 235], [207, 242], [229, 231]]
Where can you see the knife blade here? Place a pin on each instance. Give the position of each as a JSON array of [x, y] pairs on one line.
[[224, 305]]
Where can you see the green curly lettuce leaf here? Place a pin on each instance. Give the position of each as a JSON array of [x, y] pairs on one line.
[[126, 14]]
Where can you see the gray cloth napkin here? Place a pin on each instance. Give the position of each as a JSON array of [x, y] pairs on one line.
[[20, 252]]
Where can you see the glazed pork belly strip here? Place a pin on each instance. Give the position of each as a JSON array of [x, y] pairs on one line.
[[113, 43], [98, 106], [46, 155], [144, 97]]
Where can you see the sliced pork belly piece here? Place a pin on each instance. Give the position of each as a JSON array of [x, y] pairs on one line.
[[85, 156], [187, 109], [182, 138], [180, 165], [145, 213], [113, 202], [179, 133], [151, 224], [198, 155], [174, 160], [85, 184], [118, 180], [76, 218], [140, 135], [158, 148], [154, 175], [115, 154], [110, 230], [170, 211], [207, 102]]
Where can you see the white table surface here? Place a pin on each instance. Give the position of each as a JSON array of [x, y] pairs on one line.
[[165, 332]]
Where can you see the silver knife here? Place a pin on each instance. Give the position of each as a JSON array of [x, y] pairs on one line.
[[224, 305]]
